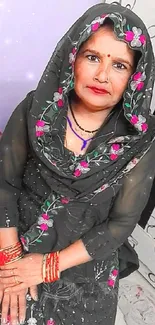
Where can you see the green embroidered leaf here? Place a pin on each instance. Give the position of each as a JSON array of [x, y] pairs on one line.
[[124, 22], [106, 161], [121, 34], [139, 96], [128, 27], [127, 105], [95, 154], [71, 83], [43, 108], [55, 108], [48, 203], [48, 102], [129, 115], [39, 241]]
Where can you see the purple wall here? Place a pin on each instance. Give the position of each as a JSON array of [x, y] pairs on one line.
[[29, 31]]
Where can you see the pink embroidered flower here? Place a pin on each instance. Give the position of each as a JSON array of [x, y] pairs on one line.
[[111, 283], [84, 164], [58, 97], [134, 119], [101, 189], [115, 272], [95, 26], [115, 151], [23, 240], [60, 103], [112, 278], [72, 56], [138, 81], [134, 161], [135, 37], [77, 173], [60, 90], [103, 16], [64, 200], [44, 227], [45, 222], [139, 122], [144, 127], [40, 128], [115, 146], [142, 38], [113, 156], [129, 36]]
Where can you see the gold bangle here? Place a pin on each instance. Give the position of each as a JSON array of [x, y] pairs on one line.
[[10, 247], [44, 267], [16, 259]]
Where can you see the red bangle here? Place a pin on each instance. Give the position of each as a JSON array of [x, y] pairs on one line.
[[11, 254], [51, 267]]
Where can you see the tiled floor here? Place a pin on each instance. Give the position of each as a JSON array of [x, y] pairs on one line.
[[136, 301]]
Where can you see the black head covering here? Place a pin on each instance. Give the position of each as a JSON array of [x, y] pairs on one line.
[[128, 132]]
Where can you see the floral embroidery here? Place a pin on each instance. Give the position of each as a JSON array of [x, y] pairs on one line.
[[115, 151], [64, 200], [135, 37], [32, 321], [58, 97], [45, 222], [138, 81], [82, 168], [50, 322], [95, 26], [41, 128], [139, 122], [72, 56], [112, 278], [101, 189]]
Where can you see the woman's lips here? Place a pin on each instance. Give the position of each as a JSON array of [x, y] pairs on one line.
[[99, 90]]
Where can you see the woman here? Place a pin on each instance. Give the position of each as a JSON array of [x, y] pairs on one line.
[[76, 172]]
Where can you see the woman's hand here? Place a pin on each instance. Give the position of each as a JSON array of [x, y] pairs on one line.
[[14, 305], [23, 274]]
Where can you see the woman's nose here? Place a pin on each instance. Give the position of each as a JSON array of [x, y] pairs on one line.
[[102, 74]]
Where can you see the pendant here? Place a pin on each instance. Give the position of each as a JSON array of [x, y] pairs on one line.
[[84, 144]]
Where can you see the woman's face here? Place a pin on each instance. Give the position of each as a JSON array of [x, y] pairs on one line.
[[102, 69]]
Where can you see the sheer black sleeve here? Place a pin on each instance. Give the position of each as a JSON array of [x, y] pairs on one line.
[[126, 211], [13, 155]]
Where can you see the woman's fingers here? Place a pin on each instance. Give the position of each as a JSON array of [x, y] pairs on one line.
[[12, 280], [7, 273], [14, 309], [34, 292], [5, 307], [1, 292], [22, 306]]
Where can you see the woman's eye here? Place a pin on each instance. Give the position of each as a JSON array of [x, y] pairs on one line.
[[120, 66], [93, 58]]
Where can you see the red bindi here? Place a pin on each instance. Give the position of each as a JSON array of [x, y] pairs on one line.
[[108, 55]]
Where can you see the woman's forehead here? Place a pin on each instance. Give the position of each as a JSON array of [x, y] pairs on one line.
[[105, 41]]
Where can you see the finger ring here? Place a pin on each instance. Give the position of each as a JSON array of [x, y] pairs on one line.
[[16, 281]]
